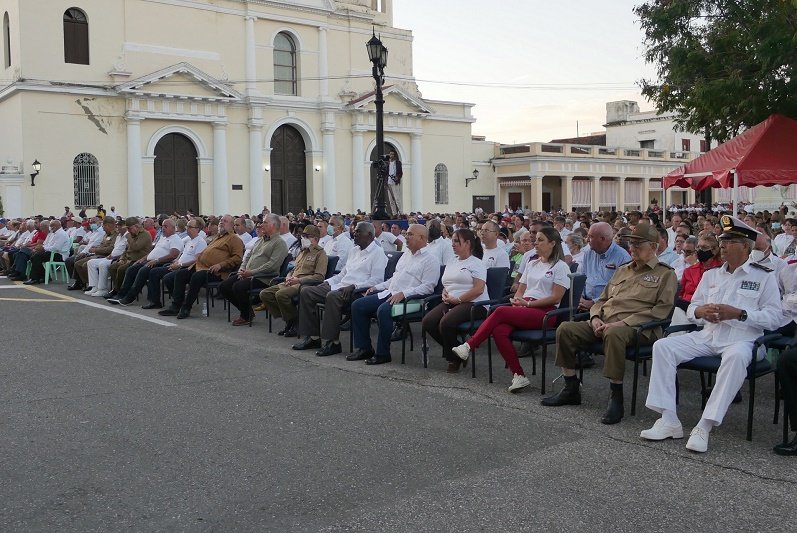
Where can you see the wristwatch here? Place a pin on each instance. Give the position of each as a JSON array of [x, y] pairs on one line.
[[743, 316]]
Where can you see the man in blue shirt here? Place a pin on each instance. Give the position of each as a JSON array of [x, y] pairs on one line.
[[601, 260]]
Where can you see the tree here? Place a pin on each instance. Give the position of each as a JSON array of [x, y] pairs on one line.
[[723, 65]]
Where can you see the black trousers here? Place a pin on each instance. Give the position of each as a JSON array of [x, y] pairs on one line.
[[236, 291], [37, 264], [787, 373], [190, 278]]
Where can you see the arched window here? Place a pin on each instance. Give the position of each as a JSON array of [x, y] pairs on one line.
[[284, 65], [6, 41], [441, 184], [86, 174], [76, 37]]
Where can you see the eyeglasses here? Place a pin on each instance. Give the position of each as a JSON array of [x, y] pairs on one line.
[[688, 252]]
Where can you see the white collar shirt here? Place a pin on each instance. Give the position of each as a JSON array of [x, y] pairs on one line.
[[119, 246], [364, 268], [95, 238], [164, 246], [340, 247], [192, 249], [416, 274], [324, 239], [289, 238], [246, 237], [442, 249], [23, 239], [58, 242]]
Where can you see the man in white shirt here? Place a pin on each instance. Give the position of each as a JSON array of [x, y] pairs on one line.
[[323, 228], [92, 239], [339, 244], [364, 268], [239, 226], [762, 255], [285, 232], [98, 268], [74, 230], [785, 240], [56, 245], [164, 252], [191, 249], [438, 245], [395, 229], [494, 255], [417, 274], [384, 238], [675, 221]]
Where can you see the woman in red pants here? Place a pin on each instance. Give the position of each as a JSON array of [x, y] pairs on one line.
[[463, 283], [540, 290]]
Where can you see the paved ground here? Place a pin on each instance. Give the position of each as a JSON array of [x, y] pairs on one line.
[[108, 421]]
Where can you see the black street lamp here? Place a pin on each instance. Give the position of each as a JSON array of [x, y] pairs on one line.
[[36, 168], [377, 54]]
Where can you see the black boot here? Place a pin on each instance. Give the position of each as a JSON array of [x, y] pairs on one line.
[[615, 410], [570, 395]]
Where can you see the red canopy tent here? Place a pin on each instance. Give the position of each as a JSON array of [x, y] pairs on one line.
[[766, 154]]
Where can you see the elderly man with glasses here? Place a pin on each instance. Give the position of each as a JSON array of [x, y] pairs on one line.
[[640, 291], [736, 302], [56, 244]]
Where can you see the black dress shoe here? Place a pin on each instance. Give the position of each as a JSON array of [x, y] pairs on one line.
[[169, 311], [75, 287], [346, 326], [111, 295], [398, 334], [615, 410], [152, 305], [330, 348], [185, 312], [789, 448], [290, 332], [378, 360], [307, 343], [570, 395], [360, 355], [33, 282]]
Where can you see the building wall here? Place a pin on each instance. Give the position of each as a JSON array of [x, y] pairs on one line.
[[627, 127]]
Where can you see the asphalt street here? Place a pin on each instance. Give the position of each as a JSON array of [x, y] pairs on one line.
[[114, 419]]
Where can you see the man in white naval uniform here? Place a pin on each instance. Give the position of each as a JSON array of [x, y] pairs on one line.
[[737, 302]]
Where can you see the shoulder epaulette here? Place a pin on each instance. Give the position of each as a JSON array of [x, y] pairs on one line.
[[662, 263], [762, 267]]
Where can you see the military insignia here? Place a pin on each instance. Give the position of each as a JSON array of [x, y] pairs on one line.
[[762, 267], [748, 285], [651, 278], [611, 266]]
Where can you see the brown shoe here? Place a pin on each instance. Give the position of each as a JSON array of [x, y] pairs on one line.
[[240, 322], [261, 307], [454, 366]]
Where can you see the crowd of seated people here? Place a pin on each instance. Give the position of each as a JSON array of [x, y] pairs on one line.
[[638, 267]]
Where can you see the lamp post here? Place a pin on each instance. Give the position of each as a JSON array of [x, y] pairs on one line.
[[475, 176], [377, 54], [36, 168]]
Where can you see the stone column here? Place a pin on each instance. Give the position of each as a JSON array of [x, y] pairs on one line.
[[690, 196], [358, 171], [135, 177], [251, 59], [536, 194], [596, 193], [323, 64], [266, 158], [644, 194], [256, 166], [621, 194], [220, 185], [328, 132], [416, 186], [567, 192]]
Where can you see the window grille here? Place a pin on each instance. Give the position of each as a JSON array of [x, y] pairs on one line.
[[86, 175]]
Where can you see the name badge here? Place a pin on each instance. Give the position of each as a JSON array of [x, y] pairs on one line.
[[611, 266], [651, 278], [751, 285]]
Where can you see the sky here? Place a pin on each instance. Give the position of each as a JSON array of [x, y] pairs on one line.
[[534, 68]]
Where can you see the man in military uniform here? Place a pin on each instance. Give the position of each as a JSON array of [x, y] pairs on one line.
[[311, 265], [139, 244], [737, 302], [640, 291]]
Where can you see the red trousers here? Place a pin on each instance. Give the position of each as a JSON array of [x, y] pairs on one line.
[[501, 323]]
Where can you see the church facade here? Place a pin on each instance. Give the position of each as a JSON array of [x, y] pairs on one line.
[[157, 106]]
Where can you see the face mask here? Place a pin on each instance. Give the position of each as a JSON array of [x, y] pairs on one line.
[[704, 255], [776, 225], [305, 242], [757, 255], [330, 231], [93, 227]]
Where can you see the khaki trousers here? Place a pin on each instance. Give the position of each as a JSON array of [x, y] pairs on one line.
[[573, 336], [277, 300]]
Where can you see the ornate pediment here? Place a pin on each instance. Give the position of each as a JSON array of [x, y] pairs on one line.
[[182, 81], [397, 100]]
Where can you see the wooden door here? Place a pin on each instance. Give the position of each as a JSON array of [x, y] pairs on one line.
[[288, 171], [176, 175]]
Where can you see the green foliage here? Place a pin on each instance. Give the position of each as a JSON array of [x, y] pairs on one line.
[[722, 65]]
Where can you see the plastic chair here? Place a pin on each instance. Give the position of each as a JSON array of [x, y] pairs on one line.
[[52, 268]]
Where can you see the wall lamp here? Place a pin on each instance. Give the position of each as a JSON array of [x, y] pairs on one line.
[[475, 176], [318, 168], [268, 168], [36, 168]]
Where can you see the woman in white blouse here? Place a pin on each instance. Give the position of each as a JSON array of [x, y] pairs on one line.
[[463, 282], [540, 290]]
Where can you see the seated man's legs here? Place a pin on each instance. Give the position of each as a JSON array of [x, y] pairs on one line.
[[21, 262], [787, 372], [103, 276], [129, 279], [570, 336], [118, 277], [37, 261], [176, 282], [81, 271], [336, 301], [195, 284], [615, 342], [93, 271], [361, 313], [154, 285], [141, 277], [307, 323]]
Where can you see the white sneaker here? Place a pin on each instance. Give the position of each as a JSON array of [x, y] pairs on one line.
[[89, 291], [519, 382], [661, 430], [99, 294], [462, 351], [698, 440]]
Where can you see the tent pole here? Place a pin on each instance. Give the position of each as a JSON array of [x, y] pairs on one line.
[[735, 195]]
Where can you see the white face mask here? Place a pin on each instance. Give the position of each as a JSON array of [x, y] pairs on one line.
[[305, 242], [757, 255]]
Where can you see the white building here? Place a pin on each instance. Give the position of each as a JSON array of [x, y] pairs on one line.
[[218, 106]]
